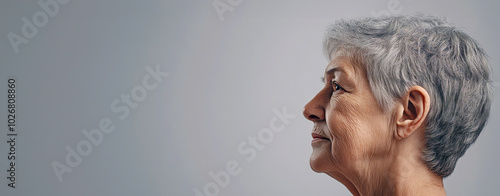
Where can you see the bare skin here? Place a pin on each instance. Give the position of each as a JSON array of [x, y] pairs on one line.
[[369, 150]]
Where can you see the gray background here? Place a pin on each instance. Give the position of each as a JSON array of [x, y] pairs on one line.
[[226, 77]]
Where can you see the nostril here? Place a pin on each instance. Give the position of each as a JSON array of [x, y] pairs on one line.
[[313, 114], [314, 110], [313, 117]]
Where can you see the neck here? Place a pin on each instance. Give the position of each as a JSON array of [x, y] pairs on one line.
[[399, 172]]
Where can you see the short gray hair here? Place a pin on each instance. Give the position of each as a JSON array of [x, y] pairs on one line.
[[398, 52]]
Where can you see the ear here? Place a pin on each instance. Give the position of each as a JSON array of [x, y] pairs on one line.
[[412, 111]]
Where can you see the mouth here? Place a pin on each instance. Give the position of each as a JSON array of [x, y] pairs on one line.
[[319, 138]]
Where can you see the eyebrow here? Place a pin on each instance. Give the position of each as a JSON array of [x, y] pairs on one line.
[[331, 71]]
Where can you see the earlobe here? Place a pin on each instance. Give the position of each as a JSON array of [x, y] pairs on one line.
[[411, 112]]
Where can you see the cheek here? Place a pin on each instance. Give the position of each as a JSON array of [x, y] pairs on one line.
[[345, 127], [357, 129]]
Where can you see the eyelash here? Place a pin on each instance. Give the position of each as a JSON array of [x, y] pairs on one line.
[[335, 86]]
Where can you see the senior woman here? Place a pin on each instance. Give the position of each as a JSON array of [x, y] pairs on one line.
[[404, 97]]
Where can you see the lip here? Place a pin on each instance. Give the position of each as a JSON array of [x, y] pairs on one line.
[[318, 138]]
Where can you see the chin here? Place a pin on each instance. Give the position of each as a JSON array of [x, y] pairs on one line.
[[320, 161], [315, 167]]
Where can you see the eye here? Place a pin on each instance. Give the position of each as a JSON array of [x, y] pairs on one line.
[[335, 86]]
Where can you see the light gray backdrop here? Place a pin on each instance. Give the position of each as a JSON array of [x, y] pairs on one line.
[[230, 72]]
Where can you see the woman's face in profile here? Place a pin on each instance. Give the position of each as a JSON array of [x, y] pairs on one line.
[[350, 128]]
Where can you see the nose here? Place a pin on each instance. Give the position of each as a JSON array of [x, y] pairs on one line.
[[315, 109]]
